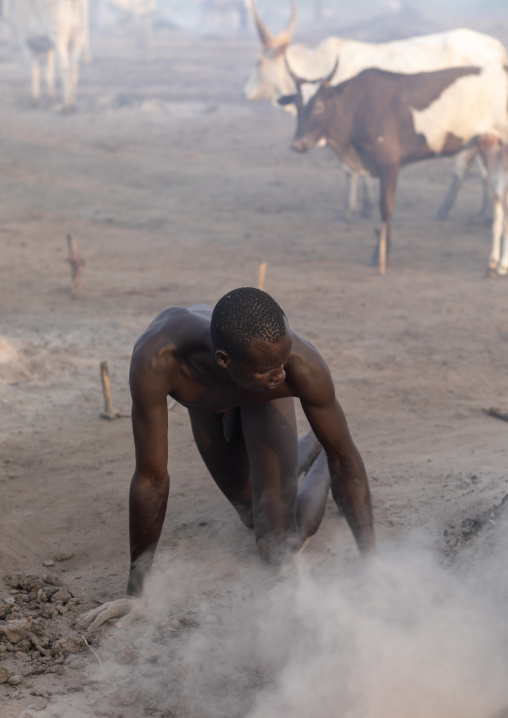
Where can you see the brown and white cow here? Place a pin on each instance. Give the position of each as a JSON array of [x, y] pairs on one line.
[[270, 78], [54, 30], [495, 158], [382, 121]]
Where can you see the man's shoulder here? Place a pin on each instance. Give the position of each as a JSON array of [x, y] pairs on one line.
[[305, 358], [173, 327], [308, 373], [155, 348]]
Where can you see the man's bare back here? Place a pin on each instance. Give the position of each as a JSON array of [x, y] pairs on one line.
[[236, 369]]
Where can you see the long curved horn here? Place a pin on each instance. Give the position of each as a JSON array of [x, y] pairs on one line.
[[291, 28], [266, 37], [296, 79], [300, 80], [328, 78]]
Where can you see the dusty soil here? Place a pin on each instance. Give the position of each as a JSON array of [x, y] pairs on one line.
[[176, 190]]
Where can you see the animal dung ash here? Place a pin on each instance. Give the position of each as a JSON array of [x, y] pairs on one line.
[[36, 624]]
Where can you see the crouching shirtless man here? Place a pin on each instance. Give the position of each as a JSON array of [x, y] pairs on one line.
[[236, 370]]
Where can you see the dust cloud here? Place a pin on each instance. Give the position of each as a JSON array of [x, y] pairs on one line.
[[402, 634]]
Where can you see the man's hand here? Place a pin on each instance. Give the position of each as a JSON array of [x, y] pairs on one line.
[[129, 606]]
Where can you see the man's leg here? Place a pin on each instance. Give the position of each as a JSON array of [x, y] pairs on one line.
[[309, 449], [284, 517], [225, 459]]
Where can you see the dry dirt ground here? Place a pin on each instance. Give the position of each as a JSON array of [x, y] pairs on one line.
[[176, 189]]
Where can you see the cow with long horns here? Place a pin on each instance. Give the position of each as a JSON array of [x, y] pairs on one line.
[[383, 121], [55, 31], [270, 78]]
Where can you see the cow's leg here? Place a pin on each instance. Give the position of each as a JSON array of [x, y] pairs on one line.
[[366, 197], [502, 269], [85, 19], [351, 196], [36, 79], [497, 233], [50, 72], [485, 213], [68, 59], [387, 200], [462, 162]]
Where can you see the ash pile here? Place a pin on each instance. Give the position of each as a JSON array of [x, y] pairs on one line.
[[36, 634]]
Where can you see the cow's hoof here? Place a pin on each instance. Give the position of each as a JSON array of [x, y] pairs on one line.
[[502, 271]]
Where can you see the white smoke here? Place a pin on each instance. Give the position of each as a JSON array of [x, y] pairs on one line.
[[405, 637], [401, 635]]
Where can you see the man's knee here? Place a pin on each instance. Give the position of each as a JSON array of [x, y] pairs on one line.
[[275, 551]]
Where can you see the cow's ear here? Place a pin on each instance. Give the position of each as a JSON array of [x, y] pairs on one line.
[[287, 100]]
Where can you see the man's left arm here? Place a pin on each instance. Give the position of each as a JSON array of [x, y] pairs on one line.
[[349, 483]]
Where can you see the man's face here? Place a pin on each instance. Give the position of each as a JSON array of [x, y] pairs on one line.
[[263, 368]]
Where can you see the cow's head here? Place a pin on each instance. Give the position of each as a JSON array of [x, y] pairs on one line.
[[313, 117], [270, 78]]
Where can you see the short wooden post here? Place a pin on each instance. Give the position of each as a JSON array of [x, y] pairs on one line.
[[108, 412], [382, 250], [262, 274], [77, 263]]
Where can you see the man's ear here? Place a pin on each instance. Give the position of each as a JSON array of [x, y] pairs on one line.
[[222, 358]]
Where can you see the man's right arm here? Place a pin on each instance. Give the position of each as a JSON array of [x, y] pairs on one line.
[[150, 379], [150, 483]]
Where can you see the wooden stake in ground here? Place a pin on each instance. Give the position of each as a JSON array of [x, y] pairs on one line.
[[382, 250], [77, 263], [109, 412], [262, 274]]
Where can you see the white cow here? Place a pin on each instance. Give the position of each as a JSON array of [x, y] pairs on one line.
[[495, 158], [56, 30], [270, 78]]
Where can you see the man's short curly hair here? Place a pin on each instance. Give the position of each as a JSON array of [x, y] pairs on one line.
[[243, 315]]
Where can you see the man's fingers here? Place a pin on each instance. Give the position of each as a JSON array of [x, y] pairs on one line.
[[106, 614], [129, 618], [97, 616], [86, 618]]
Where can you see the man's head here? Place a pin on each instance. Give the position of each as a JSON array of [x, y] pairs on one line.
[[251, 338]]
